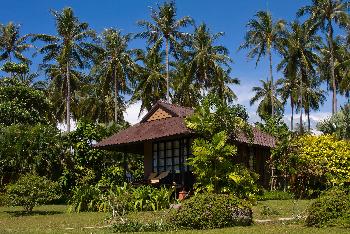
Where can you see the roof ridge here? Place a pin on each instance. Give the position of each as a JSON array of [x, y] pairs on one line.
[[176, 105]]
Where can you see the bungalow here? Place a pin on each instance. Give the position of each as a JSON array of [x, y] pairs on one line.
[[164, 140]]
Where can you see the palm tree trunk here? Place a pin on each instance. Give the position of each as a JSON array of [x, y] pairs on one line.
[[272, 85], [115, 96], [167, 69], [334, 85], [301, 104], [308, 119], [68, 97], [292, 117]]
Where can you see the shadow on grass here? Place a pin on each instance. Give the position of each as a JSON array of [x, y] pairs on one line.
[[20, 213]]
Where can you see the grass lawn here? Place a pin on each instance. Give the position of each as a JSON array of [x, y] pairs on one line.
[[54, 219]]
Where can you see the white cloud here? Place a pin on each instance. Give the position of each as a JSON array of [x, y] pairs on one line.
[[132, 113]]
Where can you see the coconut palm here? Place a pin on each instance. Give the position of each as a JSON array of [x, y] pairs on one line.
[[12, 45], [323, 13], [210, 63], [314, 97], [262, 37], [165, 28], [69, 49], [186, 91], [115, 65], [150, 77], [263, 94], [299, 57], [288, 91]]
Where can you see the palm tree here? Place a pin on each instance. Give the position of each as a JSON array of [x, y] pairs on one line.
[[97, 105], [287, 91], [115, 65], [69, 49], [186, 91], [263, 94], [12, 45], [323, 13], [314, 97], [150, 77], [165, 28], [299, 57], [210, 63], [263, 35]]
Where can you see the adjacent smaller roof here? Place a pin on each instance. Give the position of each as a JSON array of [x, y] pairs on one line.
[[259, 138], [174, 110]]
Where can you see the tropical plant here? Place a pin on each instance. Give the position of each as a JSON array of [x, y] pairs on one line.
[[338, 124], [32, 190], [21, 104], [314, 97], [323, 14], [317, 162], [264, 93], [114, 65], [299, 59], [25, 149], [70, 48], [150, 77], [165, 29], [85, 198], [211, 121], [264, 35], [12, 45], [210, 63]]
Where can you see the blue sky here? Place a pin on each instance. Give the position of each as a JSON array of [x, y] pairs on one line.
[[221, 16]]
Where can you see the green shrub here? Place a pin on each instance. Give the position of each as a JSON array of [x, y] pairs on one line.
[[150, 198], [275, 195], [135, 226], [332, 208], [31, 190], [206, 211], [86, 198]]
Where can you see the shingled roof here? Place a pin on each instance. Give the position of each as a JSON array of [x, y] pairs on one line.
[[170, 127]]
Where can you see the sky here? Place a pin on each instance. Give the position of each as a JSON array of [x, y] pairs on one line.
[[226, 16]]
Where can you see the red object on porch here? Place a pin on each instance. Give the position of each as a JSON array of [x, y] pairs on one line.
[[182, 195]]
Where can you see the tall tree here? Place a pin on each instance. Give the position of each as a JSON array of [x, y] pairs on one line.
[[12, 44], [288, 91], [150, 77], [115, 65], [70, 48], [314, 97], [299, 57], [165, 28], [262, 37], [323, 13], [263, 94], [210, 63]]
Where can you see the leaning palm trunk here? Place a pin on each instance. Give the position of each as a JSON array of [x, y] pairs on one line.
[[334, 85], [272, 85], [68, 98], [301, 104], [167, 69], [115, 96], [292, 117]]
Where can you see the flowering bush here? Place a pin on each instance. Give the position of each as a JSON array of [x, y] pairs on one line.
[[319, 161]]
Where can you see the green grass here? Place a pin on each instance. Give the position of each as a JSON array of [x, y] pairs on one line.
[[55, 219]]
